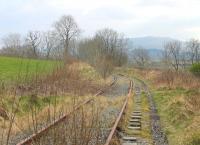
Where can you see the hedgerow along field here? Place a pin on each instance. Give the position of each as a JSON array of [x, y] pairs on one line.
[[13, 68]]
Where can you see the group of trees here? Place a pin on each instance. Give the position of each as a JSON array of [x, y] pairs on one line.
[[181, 55], [51, 44], [140, 57], [106, 49], [176, 55]]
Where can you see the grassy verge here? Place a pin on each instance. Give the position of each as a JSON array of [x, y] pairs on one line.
[[178, 106], [178, 116], [146, 130]]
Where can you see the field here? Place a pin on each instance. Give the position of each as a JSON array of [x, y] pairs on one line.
[[13, 68]]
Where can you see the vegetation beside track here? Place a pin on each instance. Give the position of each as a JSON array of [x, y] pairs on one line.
[[177, 97], [52, 94]]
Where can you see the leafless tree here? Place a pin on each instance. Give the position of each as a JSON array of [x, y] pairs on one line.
[[113, 44], [183, 60], [105, 66], [33, 41], [12, 44], [141, 56], [48, 43], [66, 29], [104, 51], [87, 51], [193, 47], [173, 52], [166, 58]]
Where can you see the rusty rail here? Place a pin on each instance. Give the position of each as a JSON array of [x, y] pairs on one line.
[[119, 116], [37, 135]]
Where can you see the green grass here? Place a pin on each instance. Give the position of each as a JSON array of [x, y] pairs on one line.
[[175, 117], [168, 108], [146, 132], [12, 68]]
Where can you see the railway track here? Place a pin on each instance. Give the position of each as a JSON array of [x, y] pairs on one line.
[[108, 134], [29, 140], [113, 130], [136, 120]]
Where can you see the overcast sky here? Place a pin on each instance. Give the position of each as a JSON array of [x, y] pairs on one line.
[[178, 19]]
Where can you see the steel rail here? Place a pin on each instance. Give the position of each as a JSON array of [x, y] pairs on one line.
[[108, 140], [38, 134]]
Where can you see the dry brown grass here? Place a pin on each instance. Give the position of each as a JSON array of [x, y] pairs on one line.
[[65, 82], [177, 95], [169, 78], [177, 79]]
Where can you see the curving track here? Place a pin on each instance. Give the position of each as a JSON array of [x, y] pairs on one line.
[[136, 121], [114, 128]]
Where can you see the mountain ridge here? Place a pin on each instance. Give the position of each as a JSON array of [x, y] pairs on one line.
[[148, 42]]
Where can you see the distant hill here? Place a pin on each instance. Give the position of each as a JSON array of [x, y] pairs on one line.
[[155, 54], [148, 42], [155, 45]]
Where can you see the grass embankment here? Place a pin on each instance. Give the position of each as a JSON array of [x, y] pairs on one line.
[[179, 114], [13, 68], [177, 96]]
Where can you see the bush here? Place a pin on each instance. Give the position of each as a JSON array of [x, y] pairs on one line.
[[195, 69]]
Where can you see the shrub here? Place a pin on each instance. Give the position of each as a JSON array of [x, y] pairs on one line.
[[195, 69]]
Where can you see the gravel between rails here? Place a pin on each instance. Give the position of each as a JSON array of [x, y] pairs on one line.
[[119, 89]]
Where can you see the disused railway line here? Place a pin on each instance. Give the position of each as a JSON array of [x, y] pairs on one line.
[[36, 136], [158, 136], [29, 140], [114, 128]]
